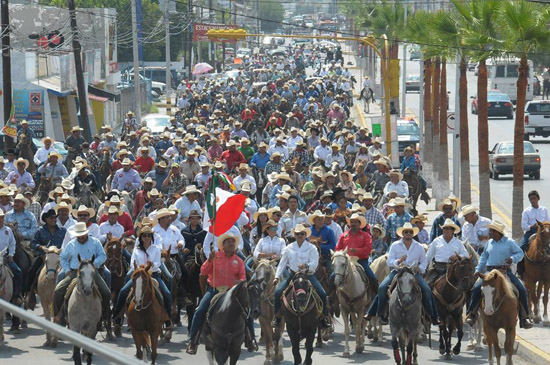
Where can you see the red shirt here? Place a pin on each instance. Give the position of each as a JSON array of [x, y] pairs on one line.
[[116, 165], [144, 164], [228, 270], [125, 221], [139, 203], [361, 242], [233, 158], [246, 116]]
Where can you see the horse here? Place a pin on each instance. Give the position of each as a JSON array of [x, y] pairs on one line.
[[368, 97], [175, 270], [415, 188], [87, 197], [46, 287], [380, 269], [264, 274], [115, 264], [6, 288], [536, 271], [360, 177], [84, 306], [25, 147], [145, 313], [405, 315], [301, 310], [42, 190], [450, 293], [191, 280], [353, 296], [24, 260], [105, 168], [475, 333], [498, 310], [227, 322]]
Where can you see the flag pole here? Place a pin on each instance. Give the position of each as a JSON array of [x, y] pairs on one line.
[[213, 244]]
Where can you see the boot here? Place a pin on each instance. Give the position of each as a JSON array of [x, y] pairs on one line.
[[324, 322], [30, 300], [524, 319], [373, 284], [276, 323], [192, 345], [520, 268], [249, 342], [425, 197], [471, 318]]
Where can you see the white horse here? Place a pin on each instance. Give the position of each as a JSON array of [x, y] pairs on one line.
[[476, 332], [353, 296], [46, 287], [381, 270], [6, 288]]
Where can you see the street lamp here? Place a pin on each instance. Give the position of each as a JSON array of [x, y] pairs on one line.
[[369, 41]]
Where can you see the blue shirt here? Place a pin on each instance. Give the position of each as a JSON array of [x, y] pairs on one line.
[[409, 163], [157, 178], [26, 223], [328, 239], [43, 237], [439, 221], [259, 161], [92, 247], [496, 253], [395, 221]]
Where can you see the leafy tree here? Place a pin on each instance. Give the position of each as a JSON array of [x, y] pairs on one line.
[[273, 11]]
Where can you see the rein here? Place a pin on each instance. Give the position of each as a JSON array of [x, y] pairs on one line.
[[345, 276], [453, 305], [117, 261], [399, 292], [139, 309]]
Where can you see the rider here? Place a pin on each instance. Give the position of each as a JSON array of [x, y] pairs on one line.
[[146, 251], [25, 220], [500, 252], [325, 237], [475, 228], [447, 208], [396, 187], [367, 85], [530, 216], [299, 255], [405, 251], [126, 179], [409, 163], [7, 242], [82, 247], [224, 269]]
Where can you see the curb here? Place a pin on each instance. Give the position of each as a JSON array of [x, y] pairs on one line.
[[526, 349]]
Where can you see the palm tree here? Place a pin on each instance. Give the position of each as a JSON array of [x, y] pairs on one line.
[[443, 145], [436, 79], [525, 31]]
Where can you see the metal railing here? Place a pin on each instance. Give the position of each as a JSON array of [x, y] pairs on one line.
[[76, 339]]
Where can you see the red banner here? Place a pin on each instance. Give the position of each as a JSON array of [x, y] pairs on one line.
[[200, 29]]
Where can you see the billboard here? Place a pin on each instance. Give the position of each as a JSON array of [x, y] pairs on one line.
[[200, 29], [29, 105]]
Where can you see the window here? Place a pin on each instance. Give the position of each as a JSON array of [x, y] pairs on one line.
[[538, 108], [500, 71], [511, 71]]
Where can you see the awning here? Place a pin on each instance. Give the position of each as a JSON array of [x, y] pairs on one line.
[[52, 88], [103, 93], [97, 98]]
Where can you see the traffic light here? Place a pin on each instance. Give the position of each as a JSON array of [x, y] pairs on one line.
[[226, 33]]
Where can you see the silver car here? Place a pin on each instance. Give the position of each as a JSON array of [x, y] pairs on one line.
[[501, 160], [156, 123]]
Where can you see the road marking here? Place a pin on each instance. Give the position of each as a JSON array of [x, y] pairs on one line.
[[360, 112], [497, 210]]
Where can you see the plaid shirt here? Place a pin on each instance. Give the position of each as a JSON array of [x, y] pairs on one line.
[[176, 183], [93, 161], [395, 221], [36, 209], [375, 216], [273, 167], [304, 155]]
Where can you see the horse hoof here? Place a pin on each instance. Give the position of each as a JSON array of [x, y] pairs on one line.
[[470, 347], [359, 349], [546, 323], [345, 354], [370, 336], [319, 345], [456, 351], [536, 319], [441, 350], [478, 348], [47, 344], [267, 362], [24, 324], [375, 340], [448, 357]]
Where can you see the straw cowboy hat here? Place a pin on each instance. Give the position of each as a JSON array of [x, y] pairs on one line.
[[268, 224], [327, 193], [274, 210], [84, 209], [335, 145], [283, 195], [243, 166], [365, 196], [407, 226], [112, 209], [153, 193], [67, 185], [380, 228], [245, 186], [114, 199], [23, 199], [396, 172], [419, 218], [127, 162], [377, 140], [66, 198], [346, 172], [262, 210], [456, 200], [381, 162], [164, 212], [5, 192], [63, 205], [57, 190], [145, 229], [446, 202], [396, 202], [355, 208], [497, 226], [80, 229], [191, 189], [284, 176], [275, 154], [467, 209], [301, 228], [76, 129], [22, 160], [357, 217], [226, 236], [47, 139], [316, 214], [449, 223]]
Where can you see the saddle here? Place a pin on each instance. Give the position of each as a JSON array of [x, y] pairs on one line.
[[289, 300], [221, 291], [436, 271]]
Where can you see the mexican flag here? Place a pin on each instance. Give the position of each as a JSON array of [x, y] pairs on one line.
[[222, 208]]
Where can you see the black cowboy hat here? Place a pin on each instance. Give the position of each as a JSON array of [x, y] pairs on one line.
[[337, 191], [10, 151], [48, 214]]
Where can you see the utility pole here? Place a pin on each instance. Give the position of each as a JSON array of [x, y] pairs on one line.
[[137, 80], [81, 87], [404, 90], [258, 22], [190, 35], [6, 67], [167, 44], [223, 43]]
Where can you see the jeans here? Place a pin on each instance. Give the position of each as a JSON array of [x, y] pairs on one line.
[[17, 278], [314, 282], [123, 295], [248, 264], [33, 271], [326, 261], [525, 239], [127, 256], [365, 265], [106, 275], [246, 268], [166, 274], [476, 292], [200, 312]]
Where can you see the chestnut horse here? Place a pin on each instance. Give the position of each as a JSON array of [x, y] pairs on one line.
[[174, 268], [115, 264], [537, 259], [499, 309]]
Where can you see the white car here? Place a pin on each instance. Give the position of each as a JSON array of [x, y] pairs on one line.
[[156, 123]]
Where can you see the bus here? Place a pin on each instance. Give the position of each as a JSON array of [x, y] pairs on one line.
[[504, 77]]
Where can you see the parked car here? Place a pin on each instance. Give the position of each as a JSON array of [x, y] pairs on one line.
[[412, 83], [498, 105], [415, 54], [156, 123], [537, 119], [501, 160], [408, 134]]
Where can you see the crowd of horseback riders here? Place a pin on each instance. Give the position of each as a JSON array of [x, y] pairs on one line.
[[329, 226]]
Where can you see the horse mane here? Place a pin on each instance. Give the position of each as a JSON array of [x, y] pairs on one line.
[[541, 227], [501, 282], [226, 300], [142, 269]]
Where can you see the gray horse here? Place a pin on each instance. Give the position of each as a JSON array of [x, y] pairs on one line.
[[405, 316]]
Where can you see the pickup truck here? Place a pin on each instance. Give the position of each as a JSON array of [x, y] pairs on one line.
[[537, 119]]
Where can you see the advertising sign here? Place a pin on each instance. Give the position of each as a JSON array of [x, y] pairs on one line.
[[200, 29], [29, 105]]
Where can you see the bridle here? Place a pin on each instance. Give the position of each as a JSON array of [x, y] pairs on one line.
[[413, 292], [142, 299]]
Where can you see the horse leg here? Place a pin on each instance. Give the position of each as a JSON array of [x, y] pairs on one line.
[[545, 320], [76, 355], [492, 344], [509, 344], [370, 333], [459, 335], [441, 339], [415, 353], [448, 339], [536, 301], [278, 343], [359, 324], [319, 343], [346, 331], [154, 337], [268, 339], [309, 347], [409, 351], [295, 341], [531, 292], [88, 358], [395, 347], [139, 342]]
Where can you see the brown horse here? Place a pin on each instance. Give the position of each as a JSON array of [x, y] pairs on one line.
[[42, 190], [360, 177], [26, 151], [115, 264], [536, 271], [499, 309], [105, 168], [145, 313], [173, 267], [415, 188]]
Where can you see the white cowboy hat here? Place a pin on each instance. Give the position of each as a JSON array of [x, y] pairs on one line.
[[262, 210], [67, 185], [419, 218], [396, 172], [380, 228], [243, 166], [467, 209], [22, 160], [326, 194], [346, 172], [226, 236], [80, 229], [497, 226], [275, 154], [164, 212], [82, 209], [301, 228], [57, 190], [356, 208], [191, 189], [153, 192], [365, 196], [76, 129], [63, 205], [446, 202], [283, 176], [358, 217], [112, 209], [114, 199], [245, 186], [66, 197], [283, 195], [126, 162], [23, 199], [316, 214], [407, 226], [456, 200], [449, 223], [395, 202], [218, 165]]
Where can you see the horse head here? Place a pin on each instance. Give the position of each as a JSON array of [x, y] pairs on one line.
[[465, 269], [51, 261], [113, 248], [264, 273], [543, 238], [302, 288], [495, 289], [141, 279], [341, 265], [86, 275], [129, 243], [252, 299], [407, 289]]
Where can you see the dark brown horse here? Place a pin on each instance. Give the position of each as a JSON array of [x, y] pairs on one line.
[[450, 293], [536, 272], [115, 264], [415, 188], [42, 190], [25, 149], [191, 280], [173, 267]]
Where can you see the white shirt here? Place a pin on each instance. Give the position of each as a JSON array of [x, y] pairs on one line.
[[152, 255], [93, 231], [472, 232], [209, 239], [281, 149], [169, 238], [295, 255], [7, 240], [185, 206], [321, 152], [42, 154], [531, 215], [401, 188], [289, 220], [117, 230], [251, 206], [442, 250], [337, 230], [292, 142], [416, 255], [270, 245], [335, 158], [68, 224], [238, 181]]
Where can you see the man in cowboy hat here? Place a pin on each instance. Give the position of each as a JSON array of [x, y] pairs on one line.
[[144, 163], [111, 227], [299, 255], [475, 228], [397, 219], [130, 123], [20, 177], [261, 158], [444, 249], [108, 143], [447, 208], [188, 202], [322, 236], [124, 219], [224, 269], [20, 215], [159, 174], [244, 176], [335, 157], [294, 139], [381, 176], [275, 164], [396, 187], [282, 179], [84, 177], [321, 152], [142, 197], [405, 251], [231, 156], [73, 143], [529, 217], [373, 215], [85, 215], [292, 216], [7, 242], [411, 164], [358, 243], [82, 247], [280, 147], [376, 146], [193, 234], [42, 153], [63, 211], [126, 179], [53, 169], [500, 253]]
